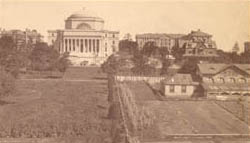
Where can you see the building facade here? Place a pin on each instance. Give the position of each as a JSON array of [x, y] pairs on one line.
[[198, 43], [22, 38], [85, 39], [160, 40], [179, 85], [225, 80], [247, 47]]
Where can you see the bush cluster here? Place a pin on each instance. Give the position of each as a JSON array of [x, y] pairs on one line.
[[51, 129], [7, 83]]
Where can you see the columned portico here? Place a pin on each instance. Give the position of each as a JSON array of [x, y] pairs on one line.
[[85, 39]]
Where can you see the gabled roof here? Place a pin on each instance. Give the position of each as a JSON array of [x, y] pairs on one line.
[[212, 69], [179, 79]]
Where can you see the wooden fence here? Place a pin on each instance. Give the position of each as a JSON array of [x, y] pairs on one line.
[[148, 79]]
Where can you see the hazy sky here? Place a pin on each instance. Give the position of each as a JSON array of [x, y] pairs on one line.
[[227, 21]]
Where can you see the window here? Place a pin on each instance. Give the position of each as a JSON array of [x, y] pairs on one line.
[[242, 80], [113, 42], [232, 80], [171, 88], [113, 35], [106, 35], [183, 88], [221, 80], [211, 80]]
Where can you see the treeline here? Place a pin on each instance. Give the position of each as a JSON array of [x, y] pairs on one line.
[[14, 59]]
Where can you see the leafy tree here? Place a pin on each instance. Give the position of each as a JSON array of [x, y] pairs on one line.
[[7, 83], [43, 57], [190, 66], [141, 65], [63, 63], [178, 53], [165, 65], [149, 48], [10, 58], [164, 52], [128, 46]]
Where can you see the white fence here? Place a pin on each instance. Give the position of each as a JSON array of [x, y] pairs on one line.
[[148, 79]]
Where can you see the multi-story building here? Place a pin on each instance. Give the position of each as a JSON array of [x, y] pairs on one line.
[[198, 43], [247, 47], [224, 80], [22, 38], [160, 40], [85, 39]]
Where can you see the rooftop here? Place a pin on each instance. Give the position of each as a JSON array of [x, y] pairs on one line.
[[199, 33], [215, 68], [182, 79]]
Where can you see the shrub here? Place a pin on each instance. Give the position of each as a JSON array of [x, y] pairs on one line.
[[7, 83]]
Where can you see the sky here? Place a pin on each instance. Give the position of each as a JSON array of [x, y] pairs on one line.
[[227, 21]]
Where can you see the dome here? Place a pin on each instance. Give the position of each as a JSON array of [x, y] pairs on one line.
[[84, 14]]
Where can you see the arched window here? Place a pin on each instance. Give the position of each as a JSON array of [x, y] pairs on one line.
[[211, 80], [221, 80], [232, 80], [242, 80]]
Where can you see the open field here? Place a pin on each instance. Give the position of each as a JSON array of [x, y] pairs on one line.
[[141, 91], [185, 117], [56, 108]]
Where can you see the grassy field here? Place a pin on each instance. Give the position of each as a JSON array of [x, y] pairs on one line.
[[141, 91], [56, 108], [85, 73], [185, 117]]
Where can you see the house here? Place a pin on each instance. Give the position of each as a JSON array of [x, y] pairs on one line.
[[226, 81], [198, 43], [178, 85]]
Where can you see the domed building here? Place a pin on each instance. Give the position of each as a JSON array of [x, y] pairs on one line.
[[85, 39]]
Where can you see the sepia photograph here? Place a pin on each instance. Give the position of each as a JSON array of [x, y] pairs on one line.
[[124, 71]]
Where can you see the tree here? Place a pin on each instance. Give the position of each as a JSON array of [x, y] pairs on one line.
[[43, 57], [149, 48], [165, 65], [141, 65], [190, 66], [63, 62], [128, 46], [178, 53], [10, 58], [164, 52], [7, 83]]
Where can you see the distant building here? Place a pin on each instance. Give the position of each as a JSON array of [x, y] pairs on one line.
[[85, 39], [179, 85], [22, 37], [225, 80], [236, 48], [247, 47], [198, 43], [160, 40]]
